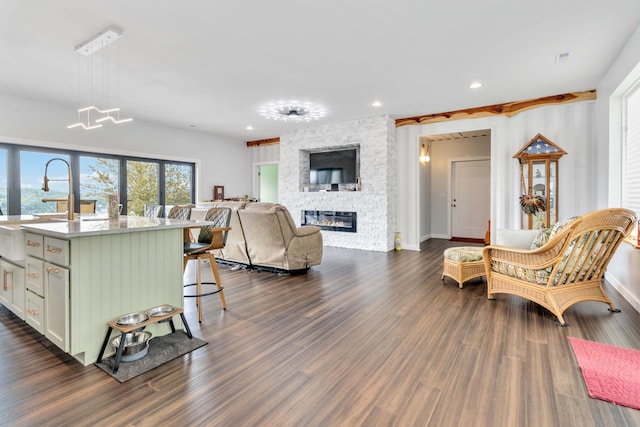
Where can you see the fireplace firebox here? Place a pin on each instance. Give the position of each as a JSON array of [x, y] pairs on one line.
[[331, 220]]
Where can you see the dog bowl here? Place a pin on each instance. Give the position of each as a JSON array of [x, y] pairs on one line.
[[135, 343], [162, 310], [132, 319]]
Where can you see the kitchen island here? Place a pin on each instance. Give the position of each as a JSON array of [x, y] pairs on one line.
[[81, 274]]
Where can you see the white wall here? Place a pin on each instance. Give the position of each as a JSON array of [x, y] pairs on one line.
[[219, 161], [624, 270], [570, 126]]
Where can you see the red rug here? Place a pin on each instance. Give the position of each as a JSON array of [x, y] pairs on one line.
[[611, 373]]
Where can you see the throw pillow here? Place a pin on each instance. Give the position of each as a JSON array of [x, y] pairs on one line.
[[558, 226], [541, 238]]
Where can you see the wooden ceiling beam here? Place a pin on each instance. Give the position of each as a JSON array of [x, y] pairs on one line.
[[259, 142], [507, 109]]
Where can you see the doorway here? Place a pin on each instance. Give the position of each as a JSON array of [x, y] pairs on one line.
[[448, 176], [268, 183]]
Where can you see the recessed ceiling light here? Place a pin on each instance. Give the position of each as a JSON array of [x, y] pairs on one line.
[[475, 85], [249, 127], [376, 104]]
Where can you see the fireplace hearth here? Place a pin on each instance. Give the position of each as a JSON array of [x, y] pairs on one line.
[[331, 220]]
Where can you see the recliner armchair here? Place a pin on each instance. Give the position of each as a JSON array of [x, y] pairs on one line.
[[274, 240]]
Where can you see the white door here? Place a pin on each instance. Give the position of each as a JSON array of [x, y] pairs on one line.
[[470, 204]]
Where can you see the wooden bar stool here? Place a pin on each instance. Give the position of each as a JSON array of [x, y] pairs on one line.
[[211, 237]]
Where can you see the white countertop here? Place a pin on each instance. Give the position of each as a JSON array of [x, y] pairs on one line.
[[92, 225]]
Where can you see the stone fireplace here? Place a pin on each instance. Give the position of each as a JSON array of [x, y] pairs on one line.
[[375, 202]]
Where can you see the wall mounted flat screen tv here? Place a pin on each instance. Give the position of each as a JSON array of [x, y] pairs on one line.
[[334, 167]]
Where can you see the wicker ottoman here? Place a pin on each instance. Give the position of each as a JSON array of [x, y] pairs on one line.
[[463, 263]]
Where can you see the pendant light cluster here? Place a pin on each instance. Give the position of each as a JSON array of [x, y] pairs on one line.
[[92, 116]]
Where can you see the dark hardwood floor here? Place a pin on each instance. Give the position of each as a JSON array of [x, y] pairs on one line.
[[365, 339]]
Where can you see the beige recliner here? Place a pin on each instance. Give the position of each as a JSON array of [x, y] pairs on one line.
[[235, 249], [274, 240]]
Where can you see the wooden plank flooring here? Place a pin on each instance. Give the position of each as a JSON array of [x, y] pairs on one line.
[[365, 339]]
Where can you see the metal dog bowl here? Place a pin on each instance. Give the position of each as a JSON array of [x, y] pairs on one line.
[[162, 310], [136, 345], [132, 319]]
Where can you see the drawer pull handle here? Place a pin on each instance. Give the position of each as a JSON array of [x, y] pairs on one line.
[[5, 282], [32, 244], [54, 250], [33, 275], [32, 312], [52, 270]]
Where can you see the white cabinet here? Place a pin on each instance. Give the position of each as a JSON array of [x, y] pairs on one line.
[[47, 284], [56, 300], [12, 288]]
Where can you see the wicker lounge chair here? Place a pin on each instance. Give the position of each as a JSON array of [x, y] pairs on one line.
[[567, 269]]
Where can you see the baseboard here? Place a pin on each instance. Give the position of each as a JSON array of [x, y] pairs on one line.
[[467, 240], [622, 290], [411, 247], [440, 236]]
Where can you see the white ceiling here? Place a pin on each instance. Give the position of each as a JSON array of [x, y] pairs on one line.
[[213, 63]]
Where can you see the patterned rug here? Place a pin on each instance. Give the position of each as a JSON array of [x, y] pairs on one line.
[[161, 350], [611, 373]]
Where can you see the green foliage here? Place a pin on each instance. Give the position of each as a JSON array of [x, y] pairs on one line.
[[177, 184]]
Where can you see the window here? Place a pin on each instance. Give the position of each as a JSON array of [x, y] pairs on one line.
[[143, 185], [177, 183], [95, 176], [4, 184], [33, 199], [631, 149], [99, 178]]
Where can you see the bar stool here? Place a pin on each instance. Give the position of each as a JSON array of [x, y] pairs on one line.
[[213, 236]]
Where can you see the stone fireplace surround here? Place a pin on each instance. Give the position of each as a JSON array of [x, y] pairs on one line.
[[375, 204]]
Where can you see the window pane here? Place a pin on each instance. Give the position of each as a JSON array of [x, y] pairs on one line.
[[177, 182], [142, 186], [99, 178], [631, 177], [4, 210], [32, 168]]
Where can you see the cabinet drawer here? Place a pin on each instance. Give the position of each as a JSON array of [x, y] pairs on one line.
[[34, 312], [34, 244], [34, 275], [56, 251]]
